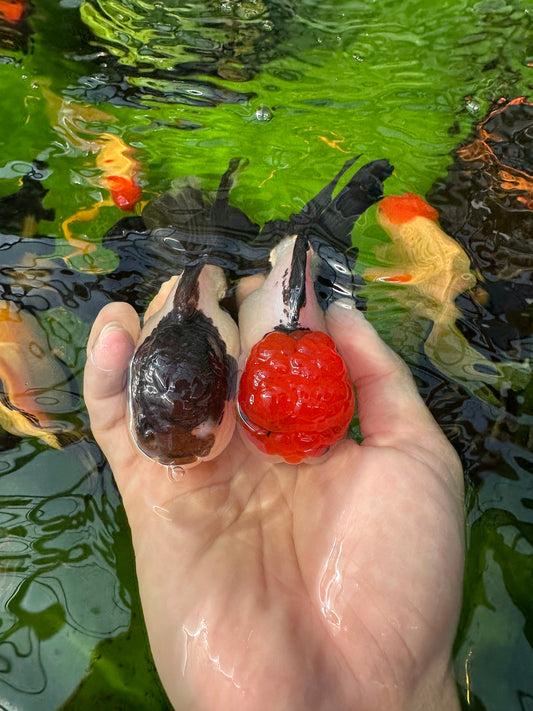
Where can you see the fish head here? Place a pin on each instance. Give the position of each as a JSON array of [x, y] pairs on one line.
[[397, 210]]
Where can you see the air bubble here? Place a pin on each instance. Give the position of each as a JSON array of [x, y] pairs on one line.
[[263, 113]]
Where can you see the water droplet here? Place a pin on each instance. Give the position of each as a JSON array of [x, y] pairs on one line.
[[162, 512], [175, 472], [263, 113]]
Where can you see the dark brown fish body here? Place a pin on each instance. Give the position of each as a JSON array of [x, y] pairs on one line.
[[183, 374]]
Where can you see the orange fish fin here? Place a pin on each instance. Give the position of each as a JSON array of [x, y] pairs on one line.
[[397, 278], [84, 215], [403, 208], [119, 169], [390, 276]]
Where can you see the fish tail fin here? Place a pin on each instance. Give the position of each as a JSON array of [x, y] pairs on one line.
[[228, 180], [228, 221], [330, 233], [321, 201], [17, 421], [191, 224], [363, 190], [453, 355]]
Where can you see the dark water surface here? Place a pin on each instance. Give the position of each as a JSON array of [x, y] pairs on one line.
[[296, 88]]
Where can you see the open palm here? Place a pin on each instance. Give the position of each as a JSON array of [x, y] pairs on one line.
[[333, 585]]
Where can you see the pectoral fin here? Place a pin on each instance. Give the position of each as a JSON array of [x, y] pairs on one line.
[[389, 275]]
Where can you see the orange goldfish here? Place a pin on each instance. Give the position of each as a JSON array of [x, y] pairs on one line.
[[12, 12], [119, 171], [119, 176], [427, 257], [435, 269], [31, 379]]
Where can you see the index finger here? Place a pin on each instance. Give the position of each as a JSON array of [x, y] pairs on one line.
[[391, 411]]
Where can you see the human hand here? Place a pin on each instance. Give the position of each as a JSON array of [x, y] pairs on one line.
[[333, 584]]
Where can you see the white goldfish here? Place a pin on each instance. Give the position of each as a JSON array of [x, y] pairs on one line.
[[431, 265]]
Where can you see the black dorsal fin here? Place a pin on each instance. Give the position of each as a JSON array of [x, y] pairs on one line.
[[188, 291], [295, 296]]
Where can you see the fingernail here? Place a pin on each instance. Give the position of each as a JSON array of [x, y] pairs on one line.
[[346, 304], [99, 352]]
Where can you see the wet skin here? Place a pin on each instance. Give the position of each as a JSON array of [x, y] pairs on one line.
[[334, 584]]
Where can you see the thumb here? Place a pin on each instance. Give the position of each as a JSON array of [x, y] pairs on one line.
[[109, 350]]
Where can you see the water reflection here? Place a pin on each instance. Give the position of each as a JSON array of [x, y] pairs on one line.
[[498, 584], [58, 590], [170, 51], [485, 203]]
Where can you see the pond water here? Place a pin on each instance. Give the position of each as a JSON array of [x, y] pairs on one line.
[[295, 87]]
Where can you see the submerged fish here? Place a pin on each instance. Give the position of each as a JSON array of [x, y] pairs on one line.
[[502, 144], [12, 11], [191, 224], [183, 373], [328, 222], [119, 172], [485, 203], [436, 269], [32, 382], [78, 126], [15, 29]]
